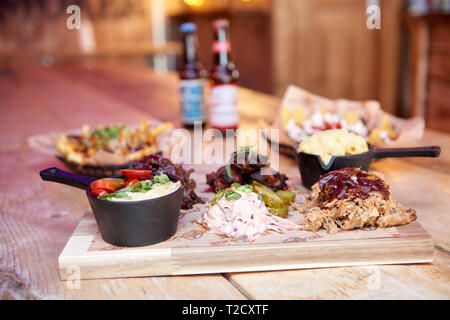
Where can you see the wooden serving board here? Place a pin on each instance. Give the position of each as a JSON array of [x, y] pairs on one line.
[[193, 250]]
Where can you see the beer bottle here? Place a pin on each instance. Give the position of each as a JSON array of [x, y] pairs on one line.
[[192, 79], [224, 113]]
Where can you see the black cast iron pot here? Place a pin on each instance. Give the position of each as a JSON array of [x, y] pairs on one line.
[[131, 223], [312, 167]]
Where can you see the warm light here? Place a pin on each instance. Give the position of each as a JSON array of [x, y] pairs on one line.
[[194, 3]]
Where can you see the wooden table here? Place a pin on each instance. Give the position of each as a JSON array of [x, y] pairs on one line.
[[37, 218]]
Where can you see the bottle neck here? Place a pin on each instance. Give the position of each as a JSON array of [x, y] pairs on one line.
[[221, 58], [221, 47], [190, 48]]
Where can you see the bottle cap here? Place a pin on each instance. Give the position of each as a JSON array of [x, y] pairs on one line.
[[220, 23], [188, 27]]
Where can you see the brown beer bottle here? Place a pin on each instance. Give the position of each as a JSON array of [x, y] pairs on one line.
[[224, 113], [192, 79]]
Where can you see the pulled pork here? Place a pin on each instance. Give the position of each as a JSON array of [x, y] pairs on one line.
[[353, 199]]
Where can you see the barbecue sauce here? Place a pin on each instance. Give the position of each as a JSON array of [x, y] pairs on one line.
[[337, 184]]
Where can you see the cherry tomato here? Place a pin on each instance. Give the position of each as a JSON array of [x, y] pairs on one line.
[[136, 174], [102, 184], [99, 192], [131, 182]]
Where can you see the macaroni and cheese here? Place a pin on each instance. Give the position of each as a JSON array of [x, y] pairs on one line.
[[334, 142]]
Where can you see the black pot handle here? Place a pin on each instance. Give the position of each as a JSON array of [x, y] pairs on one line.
[[433, 151], [64, 177]]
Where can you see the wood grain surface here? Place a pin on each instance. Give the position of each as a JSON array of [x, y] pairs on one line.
[[37, 218], [360, 64], [91, 258]]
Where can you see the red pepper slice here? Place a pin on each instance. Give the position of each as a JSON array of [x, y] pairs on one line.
[[102, 184], [136, 174], [99, 192], [131, 182]]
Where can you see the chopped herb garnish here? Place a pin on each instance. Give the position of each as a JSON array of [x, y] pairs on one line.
[[228, 168], [162, 179], [218, 196], [245, 188], [106, 133], [232, 195], [244, 149], [240, 154], [121, 194], [250, 153], [141, 186]]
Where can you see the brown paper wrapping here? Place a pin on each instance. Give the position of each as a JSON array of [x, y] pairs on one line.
[[409, 131]]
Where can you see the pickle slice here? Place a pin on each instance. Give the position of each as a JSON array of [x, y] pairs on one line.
[[280, 212], [287, 196], [270, 198]]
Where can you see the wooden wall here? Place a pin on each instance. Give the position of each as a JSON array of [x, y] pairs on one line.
[[324, 46], [438, 98], [250, 44], [120, 21], [429, 62], [108, 27]]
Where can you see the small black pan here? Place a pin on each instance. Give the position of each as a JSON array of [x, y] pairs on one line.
[[131, 223], [312, 167]]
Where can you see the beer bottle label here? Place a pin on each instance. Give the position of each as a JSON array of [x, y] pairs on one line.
[[192, 100], [224, 112], [221, 46]]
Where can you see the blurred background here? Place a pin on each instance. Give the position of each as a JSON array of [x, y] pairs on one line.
[[322, 46]]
